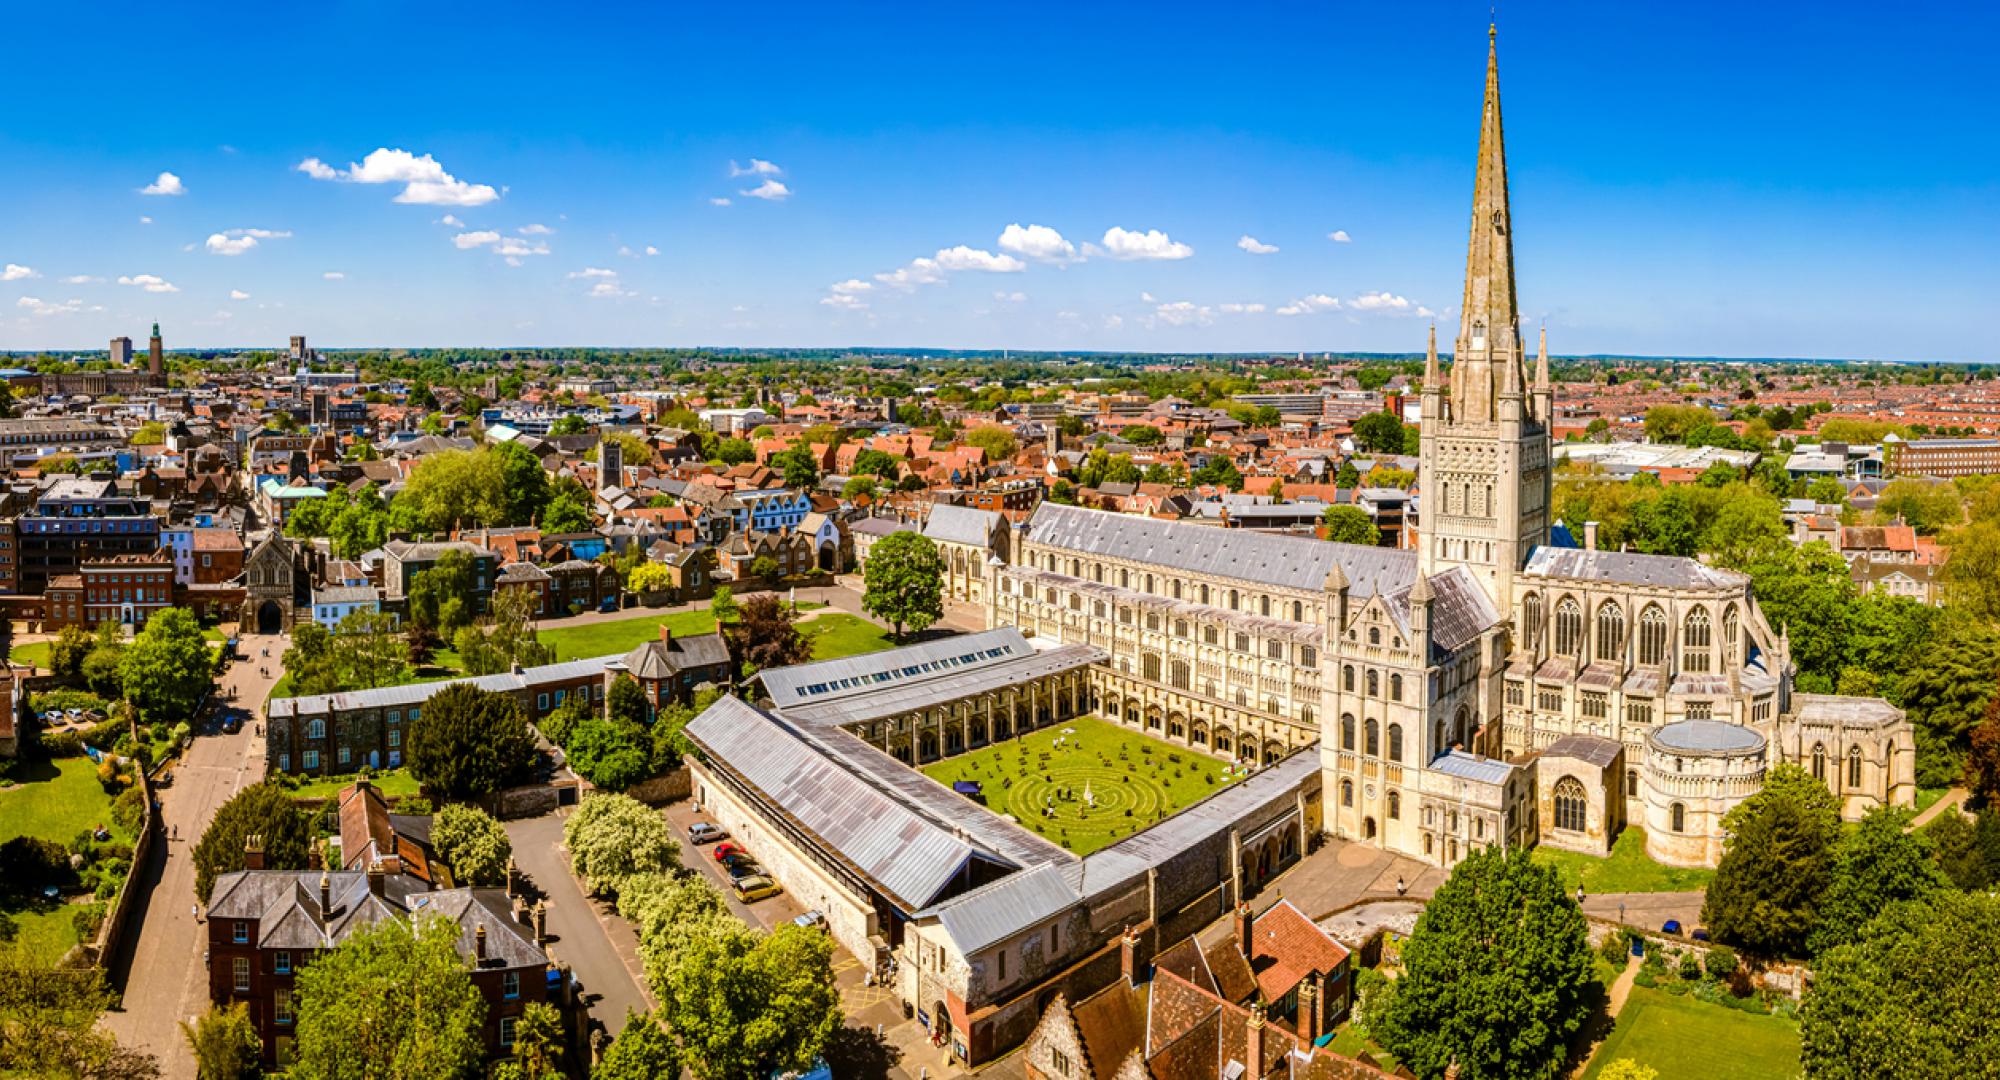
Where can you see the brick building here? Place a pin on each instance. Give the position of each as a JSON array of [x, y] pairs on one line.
[[124, 589]]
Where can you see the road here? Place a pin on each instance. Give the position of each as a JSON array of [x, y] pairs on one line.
[[160, 967], [601, 949]]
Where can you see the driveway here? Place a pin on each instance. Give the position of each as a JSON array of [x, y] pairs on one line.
[[601, 949], [160, 966]]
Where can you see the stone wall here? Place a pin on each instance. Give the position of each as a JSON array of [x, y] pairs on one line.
[[669, 787], [120, 912]]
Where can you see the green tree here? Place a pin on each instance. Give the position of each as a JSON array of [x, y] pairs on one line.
[[1946, 693], [263, 810], [876, 463], [1808, 591], [798, 466], [224, 1043], [1972, 574], [764, 568], [570, 508], [1347, 476], [903, 582], [1827, 491], [49, 1024], [1929, 506], [612, 837], [722, 605], [1220, 472], [734, 451], [1141, 435], [440, 597], [538, 1045], [1379, 433], [1982, 760], [169, 668], [1494, 976], [651, 902], [1912, 998], [393, 999], [1672, 423], [613, 755], [469, 743], [1875, 865], [858, 487], [627, 702], [1350, 525], [472, 843], [642, 1051], [1775, 866], [67, 653], [998, 442], [1959, 855], [744, 1004], [1746, 523]]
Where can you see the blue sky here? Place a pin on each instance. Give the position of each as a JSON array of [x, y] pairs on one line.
[[1688, 179]]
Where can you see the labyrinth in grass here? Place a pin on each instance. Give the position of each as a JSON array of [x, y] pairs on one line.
[[1042, 779]]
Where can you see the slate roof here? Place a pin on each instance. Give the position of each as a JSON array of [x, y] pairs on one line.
[[418, 693], [1466, 766], [285, 905], [658, 660], [1630, 568], [1599, 752], [868, 673], [961, 525], [1851, 711], [1703, 737]]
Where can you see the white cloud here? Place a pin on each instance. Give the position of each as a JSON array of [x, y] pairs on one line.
[[238, 241], [535, 230], [238, 294], [1184, 313], [608, 289], [82, 279], [1113, 322], [651, 250], [466, 241], [1038, 242], [970, 258], [1339, 236], [514, 250], [844, 302], [769, 191], [149, 282], [1307, 305], [424, 180], [17, 272], [144, 220], [166, 184], [757, 167], [1146, 297], [36, 306], [451, 220], [1380, 301], [851, 285], [1151, 244], [919, 272], [1240, 309], [1255, 246], [719, 200], [593, 272], [1010, 297], [334, 275]]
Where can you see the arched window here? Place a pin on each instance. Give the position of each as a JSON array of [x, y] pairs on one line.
[[1347, 678], [1395, 806], [1696, 639], [1631, 783], [1819, 762], [1395, 688], [1177, 588], [1677, 818], [1374, 635], [1372, 733], [1374, 683], [1531, 620], [1149, 583], [316, 729], [1347, 793], [1298, 611], [1204, 594], [1730, 645], [1652, 635], [1610, 631], [1347, 731], [1395, 742], [1306, 714], [1572, 805], [1232, 599], [1149, 666], [1854, 767], [1569, 627]]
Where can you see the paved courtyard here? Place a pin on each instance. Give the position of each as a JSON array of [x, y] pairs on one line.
[[601, 948]]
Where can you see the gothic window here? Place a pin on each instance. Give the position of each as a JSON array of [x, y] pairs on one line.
[[1347, 678], [1572, 805], [1347, 793], [1652, 635], [1180, 674], [1729, 642], [1531, 619], [1395, 688], [1395, 742], [316, 729], [1306, 714], [1678, 818], [1204, 594], [1149, 583], [1695, 641], [1854, 767], [1124, 579], [1149, 666], [1374, 684], [1298, 611], [1347, 731], [1232, 599], [1374, 635], [1264, 606], [1372, 734], [1308, 656], [1569, 627], [1610, 631], [1395, 806], [1177, 588], [1819, 762], [1631, 783]]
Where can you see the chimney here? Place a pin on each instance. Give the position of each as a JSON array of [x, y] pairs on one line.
[[253, 852], [325, 895], [1244, 928], [1128, 955], [360, 784], [378, 879], [479, 941], [1253, 1049], [513, 878], [541, 921], [1309, 1015], [1590, 536], [666, 635]]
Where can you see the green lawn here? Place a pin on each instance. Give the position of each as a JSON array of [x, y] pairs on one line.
[[1928, 797], [392, 783], [1351, 1043], [55, 800], [46, 931], [1122, 770], [1688, 1039], [840, 634], [34, 654], [1627, 869], [621, 635]]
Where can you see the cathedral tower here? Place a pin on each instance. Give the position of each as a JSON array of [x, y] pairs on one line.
[[1485, 461]]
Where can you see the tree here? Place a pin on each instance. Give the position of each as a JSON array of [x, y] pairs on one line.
[[903, 582], [722, 605], [858, 487], [735, 451], [469, 743], [451, 489], [798, 466], [1218, 471], [472, 843], [393, 999], [67, 653], [642, 1051], [569, 424], [612, 755], [570, 508], [1350, 525], [1379, 433], [262, 810], [1959, 854], [764, 568], [1912, 998], [1141, 435], [998, 442], [876, 463], [49, 1024], [627, 702], [766, 635], [538, 1042], [1875, 865], [744, 1004], [1807, 590], [1501, 948], [1928, 506], [612, 837], [650, 577], [1672, 423], [1982, 762], [653, 901], [224, 1042], [1946, 693], [440, 597], [1775, 867]]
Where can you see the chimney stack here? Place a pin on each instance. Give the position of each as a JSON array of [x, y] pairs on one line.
[[479, 941], [378, 879], [253, 852], [1244, 928], [1590, 536], [541, 921], [325, 895], [1128, 955], [666, 635], [513, 878], [1253, 1049], [1309, 1017]]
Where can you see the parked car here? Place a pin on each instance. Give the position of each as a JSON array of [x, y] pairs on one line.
[[724, 850], [232, 724], [1671, 926], [745, 869], [706, 832], [754, 888], [810, 920], [736, 859], [165, 779]]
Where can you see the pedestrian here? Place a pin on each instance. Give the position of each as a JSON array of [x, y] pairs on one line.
[[195, 910]]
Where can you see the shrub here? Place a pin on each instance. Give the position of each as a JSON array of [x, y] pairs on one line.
[[9, 929], [1614, 949], [415, 805], [1721, 962], [30, 864], [1690, 966], [62, 744], [128, 809], [86, 920]]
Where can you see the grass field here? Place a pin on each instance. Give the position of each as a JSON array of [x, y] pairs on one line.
[[1124, 772], [1688, 1039], [1350, 1042], [34, 654], [1627, 869], [55, 800], [837, 634], [1928, 797], [392, 783]]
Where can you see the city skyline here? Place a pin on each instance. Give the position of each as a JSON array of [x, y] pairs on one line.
[[1286, 182]]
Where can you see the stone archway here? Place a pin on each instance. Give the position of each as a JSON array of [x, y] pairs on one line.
[[829, 558], [270, 618]]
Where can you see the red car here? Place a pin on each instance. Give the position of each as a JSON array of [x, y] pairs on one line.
[[726, 849]]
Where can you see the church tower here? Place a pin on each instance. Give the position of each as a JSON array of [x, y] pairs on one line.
[[1484, 470]]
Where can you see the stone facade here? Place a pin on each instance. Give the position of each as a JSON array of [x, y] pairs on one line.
[[1580, 794]]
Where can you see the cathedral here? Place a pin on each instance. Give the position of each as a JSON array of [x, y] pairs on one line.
[[1487, 687]]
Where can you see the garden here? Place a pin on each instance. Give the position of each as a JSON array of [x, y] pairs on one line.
[[1627, 869], [70, 824], [1086, 783]]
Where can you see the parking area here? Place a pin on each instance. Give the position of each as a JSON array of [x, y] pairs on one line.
[[767, 913]]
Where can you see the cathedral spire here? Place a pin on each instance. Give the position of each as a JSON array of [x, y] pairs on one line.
[[1542, 361], [1488, 334], [1431, 380]]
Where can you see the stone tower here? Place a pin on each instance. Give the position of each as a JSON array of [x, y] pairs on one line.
[[156, 357], [610, 464], [1485, 460]]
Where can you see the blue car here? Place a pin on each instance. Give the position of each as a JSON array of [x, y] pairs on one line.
[[1672, 926]]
